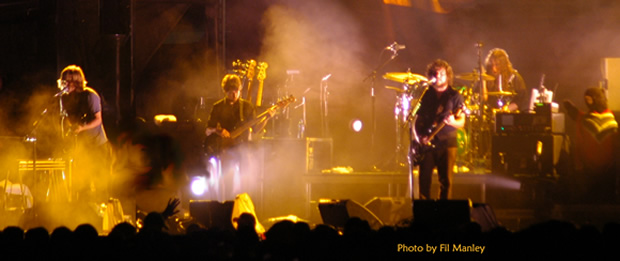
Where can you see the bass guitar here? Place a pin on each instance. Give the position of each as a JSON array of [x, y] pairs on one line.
[[250, 78], [262, 74], [422, 145], [214, 144]]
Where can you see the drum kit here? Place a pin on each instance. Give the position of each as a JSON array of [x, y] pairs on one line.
[[473, 141]]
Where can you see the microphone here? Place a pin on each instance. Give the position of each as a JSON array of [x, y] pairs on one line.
[[430, 81], [63, 91], [394, 47]]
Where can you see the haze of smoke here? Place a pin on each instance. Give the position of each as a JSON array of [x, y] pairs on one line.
[[317, 38]]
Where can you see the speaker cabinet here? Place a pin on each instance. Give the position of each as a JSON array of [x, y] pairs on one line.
[[525, 154], [484, 215], [443, 213], [337, 212], [391, 211], [212, 213], [319, 153]]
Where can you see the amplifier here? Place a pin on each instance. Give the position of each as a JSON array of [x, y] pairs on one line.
[[529, 123], [46, 164], [526, 154]]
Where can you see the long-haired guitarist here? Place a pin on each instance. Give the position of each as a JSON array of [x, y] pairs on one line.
[[436, 124], [83, 129]]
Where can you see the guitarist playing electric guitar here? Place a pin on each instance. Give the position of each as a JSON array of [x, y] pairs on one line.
[[83, 126], [233, 119], [435, 130], [228, 113]]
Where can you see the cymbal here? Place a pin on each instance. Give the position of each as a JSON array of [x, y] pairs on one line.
[[474, 77], [394, 88], [404, 77], [501, 93]]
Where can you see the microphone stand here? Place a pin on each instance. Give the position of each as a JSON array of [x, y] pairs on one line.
[[373, 77], [32, 137], [479, 129], [323, 97]]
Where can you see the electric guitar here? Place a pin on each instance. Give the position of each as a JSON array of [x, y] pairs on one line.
[[214, 144], [245, 70], [260, 77], [422, 145], [249, 75], [69, 126]]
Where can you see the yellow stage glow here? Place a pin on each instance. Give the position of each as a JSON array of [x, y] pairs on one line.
[[406, 3], [428, 5], [159, 118], [539, 147]]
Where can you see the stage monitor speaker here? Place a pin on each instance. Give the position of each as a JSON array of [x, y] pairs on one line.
[[484, 215], [390, 211], [211, 213], [445, 213], [114, 16], [525, 154], [338, 212]]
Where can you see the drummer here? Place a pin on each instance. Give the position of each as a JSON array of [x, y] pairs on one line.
[[507, 92]]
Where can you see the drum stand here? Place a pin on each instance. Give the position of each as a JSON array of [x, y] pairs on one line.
[[406, 105], [477, 137], [479, 127], [400, 118]]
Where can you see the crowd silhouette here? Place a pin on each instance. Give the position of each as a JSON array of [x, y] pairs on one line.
[[288, 240]]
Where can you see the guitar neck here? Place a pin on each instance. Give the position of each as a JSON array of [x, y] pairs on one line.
[[437, 130], [259, 94], [246, 126], [261, 117], [248, 94]]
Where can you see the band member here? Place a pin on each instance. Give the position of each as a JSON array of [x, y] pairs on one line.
[[507, 80], [440, 105], [230, 111], [595, 146], [228, 115], [83, 129]]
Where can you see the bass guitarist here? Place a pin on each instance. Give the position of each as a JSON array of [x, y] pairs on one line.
[[227, 115], [230, 111], [438, 118]]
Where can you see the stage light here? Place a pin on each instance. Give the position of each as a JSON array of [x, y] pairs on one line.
[[199, 185], [539, 148], [405, 3], [161, 118], [356, 125]]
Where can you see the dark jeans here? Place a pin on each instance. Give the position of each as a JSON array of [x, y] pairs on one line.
[[444, 159]]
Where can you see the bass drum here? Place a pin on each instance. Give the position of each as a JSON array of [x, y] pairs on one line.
[[462, 140]]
